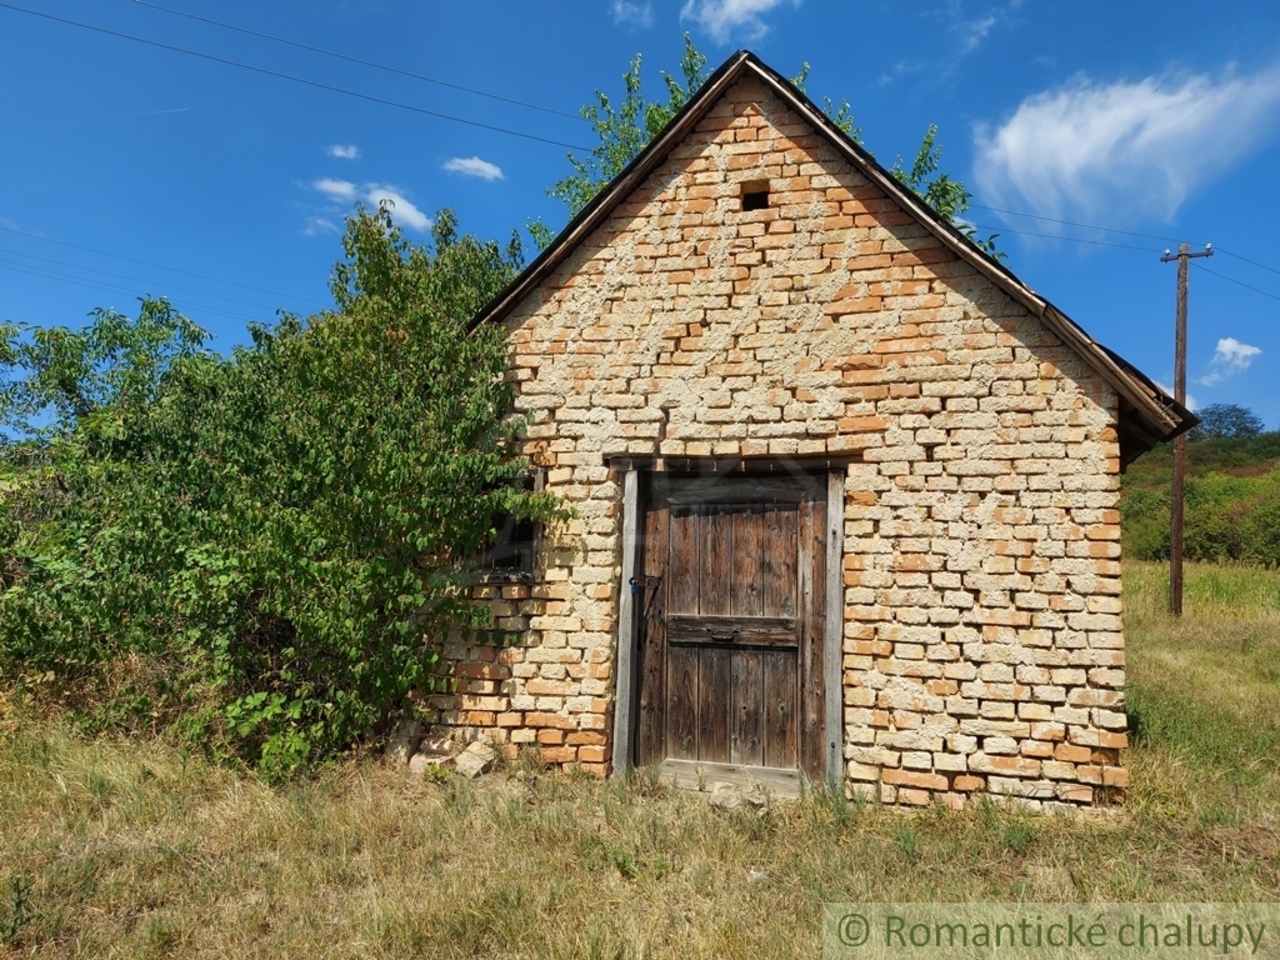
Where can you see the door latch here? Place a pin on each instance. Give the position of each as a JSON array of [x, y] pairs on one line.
[[644, 582]]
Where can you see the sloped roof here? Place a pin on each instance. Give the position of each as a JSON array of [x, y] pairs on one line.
[[1148, 415]]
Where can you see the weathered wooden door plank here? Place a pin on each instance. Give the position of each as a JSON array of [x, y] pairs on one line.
[[714, 679], [651, 592], [781, 685], [746, 701], [744, 592], [833, 653], [682, 703]]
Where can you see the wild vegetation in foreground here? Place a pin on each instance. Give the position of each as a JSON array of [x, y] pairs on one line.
[[135, 849]]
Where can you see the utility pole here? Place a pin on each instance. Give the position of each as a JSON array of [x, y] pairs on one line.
[[1183, 256]]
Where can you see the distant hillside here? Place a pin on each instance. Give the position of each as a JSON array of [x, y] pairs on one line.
[[1232, 505]]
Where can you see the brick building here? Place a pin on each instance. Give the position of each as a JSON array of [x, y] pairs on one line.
[[846, 490]]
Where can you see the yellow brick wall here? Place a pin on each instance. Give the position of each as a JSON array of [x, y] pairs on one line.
[[982, 639]]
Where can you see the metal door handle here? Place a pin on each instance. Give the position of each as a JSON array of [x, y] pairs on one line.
[[722, 637]]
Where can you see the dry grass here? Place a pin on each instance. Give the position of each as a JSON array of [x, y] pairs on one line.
[[135, 849], [1207, 687]]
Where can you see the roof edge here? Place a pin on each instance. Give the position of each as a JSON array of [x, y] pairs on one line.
[[602, 203], [1163, 415], [1162, 411]]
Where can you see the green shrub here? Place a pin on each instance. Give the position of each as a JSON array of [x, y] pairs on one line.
[[264, 548]]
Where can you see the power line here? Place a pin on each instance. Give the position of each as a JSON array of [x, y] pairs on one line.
[[1123, 246], [1126, 246], [286, 76], [350, 59], [1094, 226], [1247, 260], [1239, 283], [522, 103], [160, 266], [1073, 223], [122, 276], [1055, 236], [44, 274]]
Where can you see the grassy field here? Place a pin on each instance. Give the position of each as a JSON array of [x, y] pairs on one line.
[[114, 849]]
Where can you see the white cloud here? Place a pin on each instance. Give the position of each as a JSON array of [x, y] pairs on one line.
[[474, 167], [973, 32], [319, 225], [966, 32], [1230, 357], [1192, 402], [721, 18], [403, 211], [636, 14], [970, 30], [1124, 149], [902, 68], [336, 189], [344, 151]]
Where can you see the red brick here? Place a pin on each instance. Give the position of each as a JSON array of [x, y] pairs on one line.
[[561, 755], [909, 778]]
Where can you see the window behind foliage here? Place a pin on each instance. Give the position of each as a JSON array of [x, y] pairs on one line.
[[513, 549]]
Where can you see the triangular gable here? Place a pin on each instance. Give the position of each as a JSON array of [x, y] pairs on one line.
[[1147, 416]]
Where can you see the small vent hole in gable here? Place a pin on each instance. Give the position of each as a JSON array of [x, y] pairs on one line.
[[755, 195]]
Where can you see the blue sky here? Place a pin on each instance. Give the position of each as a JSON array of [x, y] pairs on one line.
[[131, 169]]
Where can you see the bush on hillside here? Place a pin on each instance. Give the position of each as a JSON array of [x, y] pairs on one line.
[[1226, 518], [1232, 493]]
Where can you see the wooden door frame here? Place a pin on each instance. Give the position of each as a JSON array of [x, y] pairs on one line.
[[626, 693]]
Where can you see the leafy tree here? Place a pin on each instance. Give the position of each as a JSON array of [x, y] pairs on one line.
[[1226, 421], [625, 128], [273, 542], [948, 197], [56, 379], [841, 116]]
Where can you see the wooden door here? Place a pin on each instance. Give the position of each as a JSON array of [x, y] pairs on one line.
[[732, 608]]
